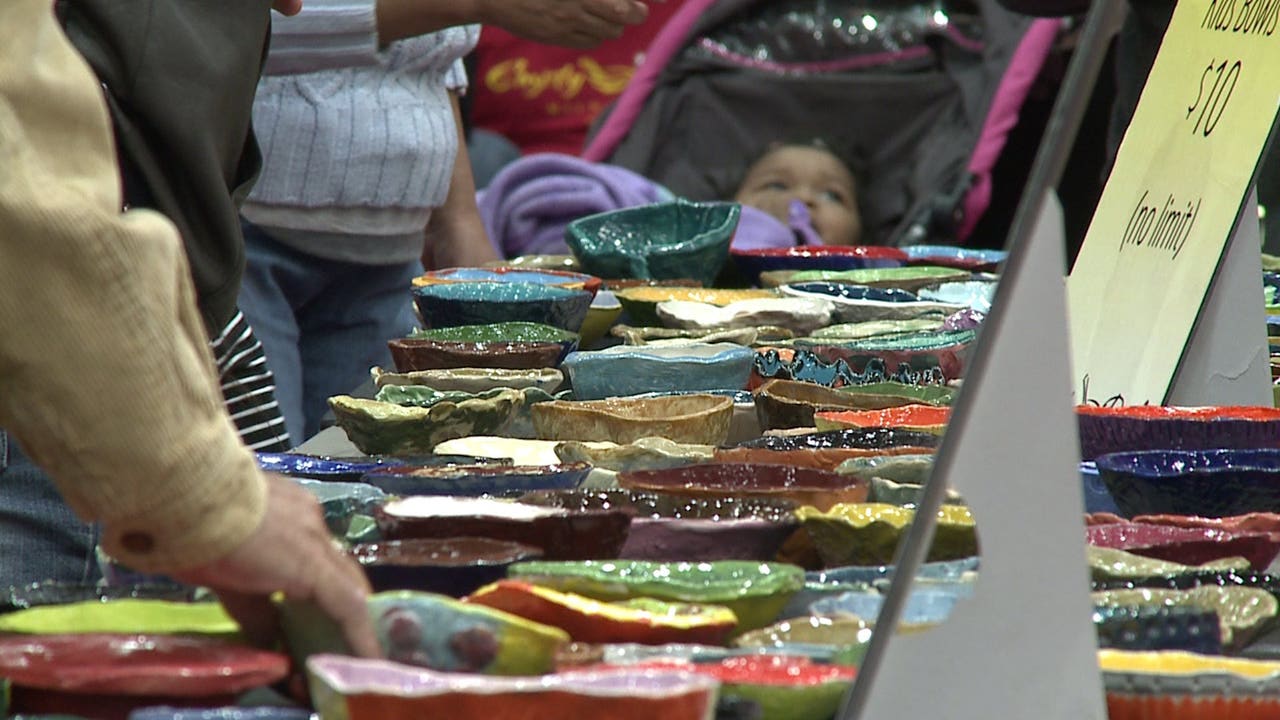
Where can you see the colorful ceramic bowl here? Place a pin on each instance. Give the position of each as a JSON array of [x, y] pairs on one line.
[[355, 689], [122, 617], [518, 450], [918, 418], [783, 404], [1106, 430], [673, 527], [906, 469], [562, 534], [1175, 684], [477, 480], [454, 566], [601, 316], [1158, 628], [650, 453], [925, 606], [473, 380], [642, 620], [868, 533], [322, 468], [262, 712], [482, 303], [628, 370], [694, 419], [501, 332], [799, 315], [641, 302], [386, 428], [971, 259], [938, 353], [842, 332], [830, 257], [1207, 483], [412, 355], [51, 592], [1186, 545], [712, 481], [340, 501], [902, 393], [107, 676], [862, 304], [826, 450], [755, 592], [976, 295], [900, 278], [536, 276], [846, 631], [668, 240], [1242, 611]]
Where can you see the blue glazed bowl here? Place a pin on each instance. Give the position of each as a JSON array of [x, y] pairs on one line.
[[924, 607], [636, 370], [537, 276], [853, 292], [484, 303], [1204, 483], [1097, 498], [665, 241], [341, 500], [316, 467], [477, 480], [1191, 629], [959, 257], [823, 257]]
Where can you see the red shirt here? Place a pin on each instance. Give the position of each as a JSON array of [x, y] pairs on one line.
[[544, 98]]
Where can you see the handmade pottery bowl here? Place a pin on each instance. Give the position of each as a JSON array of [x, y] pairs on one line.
[[536, 276], [123, 616], [1242, 611], [627, 370], [641, 302], [431, 631], [826, 450], [973, 294], [941, 353], [315, 467], [743, 426], [482, 303], [830, 257], [1177, 684], [713, 481], [791, 363], [917, 418], [651, 453], [848, 631], [962, 258], [799, 315], [508, 333], [50, 592], [454, 566], [842, 332], [674, 527], [862, 304], [831, 582], [357, 689], [581, 654], [263, 712], [1207, 483], [755, 592], [925, 607], [642, 620], [603, 313], [412, 355], [473, 380], [1158, 628], [783, 404], [900, 278], [1186, 545], [340, 501], [907, 469], [519, 425], [109, 675], [901, 393], [868, 533], [518, 450], [386, 428], [562, 534], [1113, 569], [667, 240], [1106, 430], [672, 336], [477, 480], [694, 419]]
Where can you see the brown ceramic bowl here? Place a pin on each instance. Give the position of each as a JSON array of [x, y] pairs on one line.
[[451, 566], [560, 534], [801, 485], [696, 419], [412, 355], [782, 404], [826, 450]]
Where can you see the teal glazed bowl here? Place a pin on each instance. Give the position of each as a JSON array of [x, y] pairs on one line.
[[484, 303], [666, 241]]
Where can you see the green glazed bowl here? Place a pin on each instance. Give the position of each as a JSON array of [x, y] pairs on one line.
[[665, 241], [383, 428], [755, 592], [503, 332], [868, 533], [124, 616]]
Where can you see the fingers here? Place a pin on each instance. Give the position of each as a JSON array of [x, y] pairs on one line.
[[344, 597], [256, 615], [287, 7], [618, 12]]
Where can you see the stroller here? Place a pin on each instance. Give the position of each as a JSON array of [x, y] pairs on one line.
[[919, 96]]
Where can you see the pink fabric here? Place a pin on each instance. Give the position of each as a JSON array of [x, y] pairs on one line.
[[1023, 69], [663, 48]]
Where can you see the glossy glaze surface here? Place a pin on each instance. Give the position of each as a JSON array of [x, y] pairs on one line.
[[477, 480], [799, 315], [481, 303], [1208, 483], [801, 485], [473, 380], [629, 370], [453, 566], [386, 428], [829, 257], [902, 278], [1106, 430], [411, 355], [694, 419], [868, 533]]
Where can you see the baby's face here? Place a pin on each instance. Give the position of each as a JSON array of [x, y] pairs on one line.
[[813, 176]]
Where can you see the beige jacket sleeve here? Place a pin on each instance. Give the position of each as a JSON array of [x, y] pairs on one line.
[[105, 376]]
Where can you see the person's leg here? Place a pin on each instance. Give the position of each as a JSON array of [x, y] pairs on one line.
[[345, 330], [40, 538]]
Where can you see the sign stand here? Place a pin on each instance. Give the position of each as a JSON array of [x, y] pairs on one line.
[[1226, 361]]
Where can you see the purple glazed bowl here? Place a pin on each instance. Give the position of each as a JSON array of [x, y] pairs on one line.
[[1145, 427], [1205, 483], [451, 566]]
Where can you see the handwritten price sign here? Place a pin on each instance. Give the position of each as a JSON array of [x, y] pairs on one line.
[[1171, 203]]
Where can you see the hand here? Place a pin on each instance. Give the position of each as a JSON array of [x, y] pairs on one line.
[[291, 551], [571, 23], [287, 7]]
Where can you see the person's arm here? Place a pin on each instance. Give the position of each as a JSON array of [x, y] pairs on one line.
[[455, 235], [106, 379]]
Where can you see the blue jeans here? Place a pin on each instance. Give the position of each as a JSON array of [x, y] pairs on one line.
[[40, 538], [323, 323]]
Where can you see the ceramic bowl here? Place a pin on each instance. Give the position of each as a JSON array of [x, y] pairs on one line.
[[868, 533], [477, 480], [412, 355], [1106, 430], [790, 363], [536, 276], [925, 607], [801, 485], [473, 380], [1158, 628], [799, 315], [562, 534], [846, 631], [518, 450], [651, 453], [829, 257], [676, 239], [826, 450], [263, 712], [315, 467], [917, 418], [537, 262], [938, 353], [1242, 611], [831, 582], [1186, 545], [123, 616], [601, 316], [900, 278], [674, 527], [862, 304], [502, 333], [107, 675], [51, 592], [642, 620], [340, 501], [482, 303], [782, 404], [899, 393], [581, 654], [454, 566], [962, 258], [519, 425], [1206, 688], [976, 295], [386, 428], [841, 332], [356, 689], [626, 370], [672, 336], [641, 302], [906, 469], [743, 426], [695, 419], [1208, 483], [1113, 569], [754, 591]]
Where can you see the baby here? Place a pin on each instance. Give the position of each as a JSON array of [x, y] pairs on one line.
[[798, 182]]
